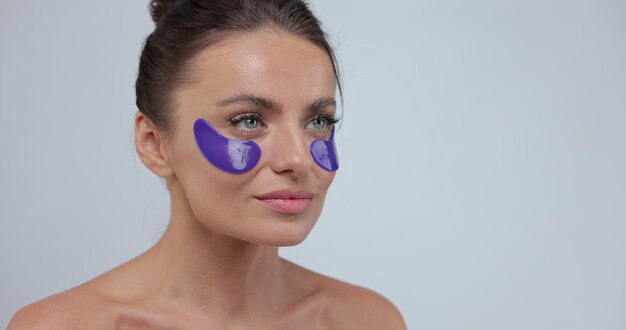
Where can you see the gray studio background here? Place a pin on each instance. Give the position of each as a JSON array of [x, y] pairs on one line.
[[483, 154]]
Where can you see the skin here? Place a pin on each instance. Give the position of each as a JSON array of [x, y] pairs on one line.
[[217, 265]]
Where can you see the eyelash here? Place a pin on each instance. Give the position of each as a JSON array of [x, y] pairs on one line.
[[243, 116], [330, 120], [234, 120]]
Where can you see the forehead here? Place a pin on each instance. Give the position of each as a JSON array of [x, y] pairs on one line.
[[279, 66]]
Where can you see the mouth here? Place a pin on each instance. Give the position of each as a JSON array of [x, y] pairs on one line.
[[287, 201]]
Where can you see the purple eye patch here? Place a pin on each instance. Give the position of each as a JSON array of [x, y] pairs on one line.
[[325, 154], [239, 156]]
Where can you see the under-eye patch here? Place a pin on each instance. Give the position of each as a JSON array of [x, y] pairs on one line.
[[230, 155], [240, 156], [325, 154]]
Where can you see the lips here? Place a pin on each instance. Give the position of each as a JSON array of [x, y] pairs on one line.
[[287, 201]]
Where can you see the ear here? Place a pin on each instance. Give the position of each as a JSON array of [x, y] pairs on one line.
[[150, 146]]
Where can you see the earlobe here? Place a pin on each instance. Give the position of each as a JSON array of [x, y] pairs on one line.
[[150, 146]]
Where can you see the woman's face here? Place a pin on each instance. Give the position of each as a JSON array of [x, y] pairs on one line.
[[277, 90]]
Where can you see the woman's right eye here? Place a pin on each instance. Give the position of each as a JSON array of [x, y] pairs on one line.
[[250, 123], [246, 122]]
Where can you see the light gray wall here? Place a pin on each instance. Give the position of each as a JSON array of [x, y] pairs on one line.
[[483, 181]]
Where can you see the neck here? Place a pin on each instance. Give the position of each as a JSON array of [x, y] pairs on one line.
[[199, 267]]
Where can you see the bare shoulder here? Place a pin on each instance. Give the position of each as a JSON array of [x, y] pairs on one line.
[[62, 310], [354, 307], [91, 304], [362, 308]]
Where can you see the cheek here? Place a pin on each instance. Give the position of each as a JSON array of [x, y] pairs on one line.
[[328, 177], [206, 186], [325, 179], [218, 200]]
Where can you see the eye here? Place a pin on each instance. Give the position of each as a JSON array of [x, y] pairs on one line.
[[321, 122], [318, 123], [250, 123], [246, 122]]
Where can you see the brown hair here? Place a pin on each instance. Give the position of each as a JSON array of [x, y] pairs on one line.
[[184, 27]]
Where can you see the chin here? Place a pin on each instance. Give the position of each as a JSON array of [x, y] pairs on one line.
[[284, 237], [286, 242]]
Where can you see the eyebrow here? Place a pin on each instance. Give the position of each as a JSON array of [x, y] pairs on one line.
[[322, 103], [258, 101], [266, 103]]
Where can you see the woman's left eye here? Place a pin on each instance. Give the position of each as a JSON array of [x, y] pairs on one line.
[[321, 122], [318, 123]]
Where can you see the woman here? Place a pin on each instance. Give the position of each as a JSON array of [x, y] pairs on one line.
[[236, 112]]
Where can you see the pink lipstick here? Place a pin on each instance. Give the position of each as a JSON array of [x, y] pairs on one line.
[[287, 201]]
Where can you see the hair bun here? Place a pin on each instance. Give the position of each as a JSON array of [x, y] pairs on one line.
[[160, 7]]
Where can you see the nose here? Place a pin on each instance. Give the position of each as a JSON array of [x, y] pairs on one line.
[[290, 152]]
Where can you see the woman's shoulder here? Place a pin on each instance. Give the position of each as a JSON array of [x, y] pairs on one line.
[[326, 301], [362, 308], [62, 310], [352, 306], [88, 303]]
